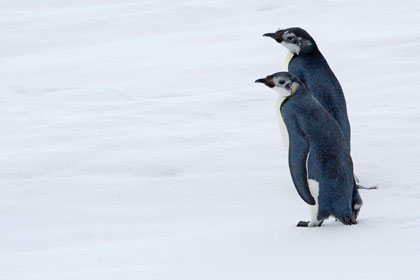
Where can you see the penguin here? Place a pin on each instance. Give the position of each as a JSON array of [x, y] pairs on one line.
[[306, 62], [319, 161]]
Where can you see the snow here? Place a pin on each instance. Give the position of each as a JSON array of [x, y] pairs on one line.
[[135, 144]]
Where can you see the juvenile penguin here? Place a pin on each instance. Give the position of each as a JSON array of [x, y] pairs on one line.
[[306, 62], [319, 160]]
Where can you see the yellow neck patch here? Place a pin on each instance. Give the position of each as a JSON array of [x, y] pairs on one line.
[[288, 58], [294, 87]]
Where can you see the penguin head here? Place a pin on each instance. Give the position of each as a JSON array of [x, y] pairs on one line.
[[295, 39], [283, 83]]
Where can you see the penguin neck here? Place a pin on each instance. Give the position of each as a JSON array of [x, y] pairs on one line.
[[299, 91], [295, 86], [280, 101], [312, 53]]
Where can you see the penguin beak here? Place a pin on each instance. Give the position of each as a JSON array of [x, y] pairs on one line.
[[276, 36], [260, 81], [269, 35], [268, 81]]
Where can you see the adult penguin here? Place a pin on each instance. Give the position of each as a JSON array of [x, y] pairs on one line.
[[306, 62], [319, 160]]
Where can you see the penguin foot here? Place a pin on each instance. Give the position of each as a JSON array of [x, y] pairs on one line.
[[315, 223], [302, 224], [348, 220], [309, 224]]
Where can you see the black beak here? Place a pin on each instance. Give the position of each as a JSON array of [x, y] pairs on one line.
[[260, 81], [270, 35], [276, 36]]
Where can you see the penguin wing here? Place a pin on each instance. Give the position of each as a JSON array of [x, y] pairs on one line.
[[298, 154]]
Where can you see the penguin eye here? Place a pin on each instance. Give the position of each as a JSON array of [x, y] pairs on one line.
[[281, 82], [290, 37]]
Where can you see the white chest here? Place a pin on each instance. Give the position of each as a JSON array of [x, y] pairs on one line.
[[283, 128]]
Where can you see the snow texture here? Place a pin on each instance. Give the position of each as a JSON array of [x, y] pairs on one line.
[[135, 144]]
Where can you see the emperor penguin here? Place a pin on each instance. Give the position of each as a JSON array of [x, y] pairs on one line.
[[306, 62], [319, 160]]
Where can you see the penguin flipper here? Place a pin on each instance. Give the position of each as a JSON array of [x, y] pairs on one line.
[[298, 154]]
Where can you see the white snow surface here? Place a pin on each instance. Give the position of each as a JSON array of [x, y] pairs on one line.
[[135, 144]]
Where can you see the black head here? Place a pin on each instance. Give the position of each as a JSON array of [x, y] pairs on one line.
[[295, 39], [282, 82]]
